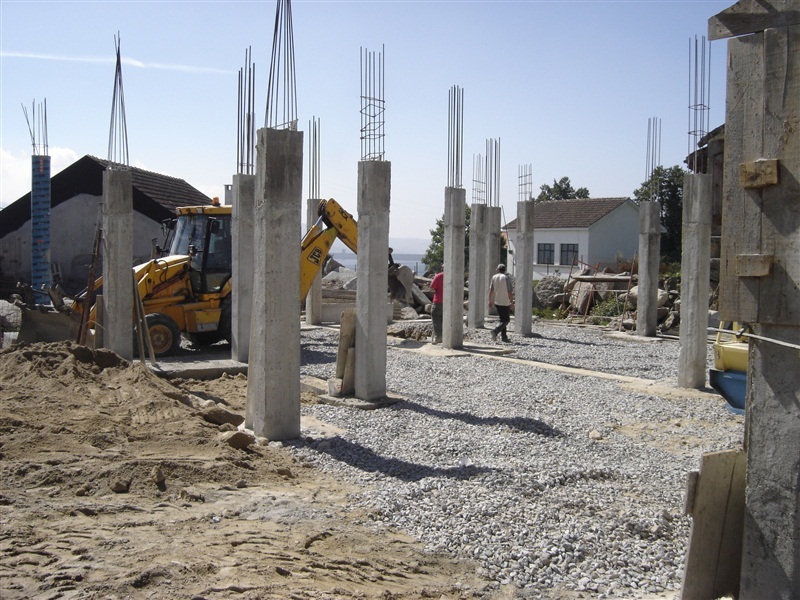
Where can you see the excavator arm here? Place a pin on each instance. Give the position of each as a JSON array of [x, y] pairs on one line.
[[334, 223]]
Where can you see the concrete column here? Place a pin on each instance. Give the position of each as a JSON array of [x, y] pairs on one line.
[[372, 269], [314, 296], [118, 261], [273, 381], [695, 269], [523, 318], [649, 259], [455, 212], [478, 286], [244, 193], [770, 563], [492, 252]]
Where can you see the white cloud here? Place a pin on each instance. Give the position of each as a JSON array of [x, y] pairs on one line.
[[130, 62], [15, 171]]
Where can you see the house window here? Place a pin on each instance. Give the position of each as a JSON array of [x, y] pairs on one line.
[[546, 254], [569, 254]]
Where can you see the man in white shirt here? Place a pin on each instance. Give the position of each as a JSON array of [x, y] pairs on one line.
[[501, 296]]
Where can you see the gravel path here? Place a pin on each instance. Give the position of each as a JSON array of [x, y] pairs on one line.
[[560, 485]]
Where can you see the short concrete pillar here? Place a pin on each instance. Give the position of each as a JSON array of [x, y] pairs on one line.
[[695, 269], [649, 260], [118, 261], [273, 381], [372, 269], [478, 284], [242, 224], [523, 315], [455, 212], [492, 248], [314, 296]]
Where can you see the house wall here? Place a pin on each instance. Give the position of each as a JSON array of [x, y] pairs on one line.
[[72, 231], [616, 234]]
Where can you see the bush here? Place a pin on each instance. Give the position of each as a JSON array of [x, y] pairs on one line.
[[549, 314], [610, 307]]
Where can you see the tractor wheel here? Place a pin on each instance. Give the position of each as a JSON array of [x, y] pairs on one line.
[[164, 334]]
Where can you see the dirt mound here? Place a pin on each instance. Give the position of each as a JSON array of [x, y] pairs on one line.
[[115, 482]]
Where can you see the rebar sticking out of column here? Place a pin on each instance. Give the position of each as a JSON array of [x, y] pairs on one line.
[[373, 105], [478, 180], [455, 140], [313, 157], [525, 183], [282, 90], [118, 130], [246, 119], [699, 91], [653, 159], [493, 172]]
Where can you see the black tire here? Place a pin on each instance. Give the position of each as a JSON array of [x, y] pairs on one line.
[[164, 334]]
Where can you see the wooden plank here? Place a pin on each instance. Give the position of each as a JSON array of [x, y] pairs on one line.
[[347, 340], [712, 568], [751, 16], [759, 173], [753, 265], [780, 205], [729, 566], [741, 210]]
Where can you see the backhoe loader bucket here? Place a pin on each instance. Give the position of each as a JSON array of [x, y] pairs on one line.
[[42, 325], [401, 281]]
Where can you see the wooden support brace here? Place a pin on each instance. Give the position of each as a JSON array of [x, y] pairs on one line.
[[715, 500], [754, 265], [758, 173]]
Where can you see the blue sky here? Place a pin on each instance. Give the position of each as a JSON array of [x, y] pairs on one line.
[[566, 86]]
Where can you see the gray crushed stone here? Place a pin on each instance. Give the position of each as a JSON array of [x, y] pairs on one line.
[[554, 483]]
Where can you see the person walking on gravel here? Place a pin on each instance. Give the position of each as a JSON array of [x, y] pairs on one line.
[[501, 296]]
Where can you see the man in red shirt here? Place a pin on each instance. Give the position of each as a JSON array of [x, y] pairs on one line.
[[437, 310]]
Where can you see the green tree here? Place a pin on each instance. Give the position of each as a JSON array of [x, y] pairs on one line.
[[434, 255], [561, 190], [665, 185]]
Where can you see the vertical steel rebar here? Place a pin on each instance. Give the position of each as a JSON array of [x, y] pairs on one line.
[[281, 110], [118, 129], [372, 104], [313, 158], [455, 140]]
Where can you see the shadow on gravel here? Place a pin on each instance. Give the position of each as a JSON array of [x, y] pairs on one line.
[[367, 460], [518, 423], [315, 357]]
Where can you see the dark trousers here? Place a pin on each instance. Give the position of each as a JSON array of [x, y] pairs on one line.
[[437, 312], [504, 312]]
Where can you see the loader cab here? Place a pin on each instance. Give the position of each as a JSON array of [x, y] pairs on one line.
[[204, 234]]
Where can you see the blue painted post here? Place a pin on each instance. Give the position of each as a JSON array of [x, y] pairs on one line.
[[40, 222]]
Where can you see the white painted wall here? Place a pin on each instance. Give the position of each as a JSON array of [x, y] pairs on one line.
[[615, 234]]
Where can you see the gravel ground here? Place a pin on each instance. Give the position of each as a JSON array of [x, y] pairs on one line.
[[557, 484]]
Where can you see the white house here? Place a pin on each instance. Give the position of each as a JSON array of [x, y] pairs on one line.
[[570, 234]]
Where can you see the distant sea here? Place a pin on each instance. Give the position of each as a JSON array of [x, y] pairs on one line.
[[414, 261]]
